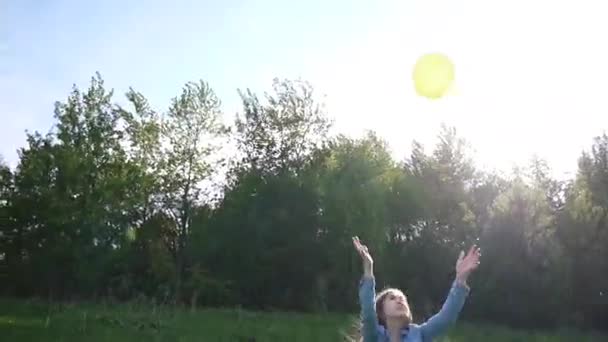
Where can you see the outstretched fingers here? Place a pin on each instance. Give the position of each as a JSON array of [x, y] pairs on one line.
[[361, 248], [356, 242], [358, 245], [473, 256]]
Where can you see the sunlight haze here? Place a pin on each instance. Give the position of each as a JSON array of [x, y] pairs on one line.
[[530, 75]]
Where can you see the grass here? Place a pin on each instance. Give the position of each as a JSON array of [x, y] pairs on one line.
[[28, 320]]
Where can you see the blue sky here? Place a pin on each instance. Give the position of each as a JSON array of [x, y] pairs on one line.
[[530, 75], [156, 46]]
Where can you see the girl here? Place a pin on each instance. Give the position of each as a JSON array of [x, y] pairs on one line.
[[387, 317]]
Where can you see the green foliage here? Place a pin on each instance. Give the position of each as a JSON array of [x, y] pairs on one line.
[[114, 203], [282, 134], [7, 227]]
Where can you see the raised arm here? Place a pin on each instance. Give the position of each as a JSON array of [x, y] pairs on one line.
[[443, 320], [439, 323], [367, 292]]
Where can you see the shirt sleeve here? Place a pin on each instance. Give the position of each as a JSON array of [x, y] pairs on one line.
[[369, 318], [441, 321]]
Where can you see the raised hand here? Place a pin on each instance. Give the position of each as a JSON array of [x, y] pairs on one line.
[[366, 258], [467, 263]]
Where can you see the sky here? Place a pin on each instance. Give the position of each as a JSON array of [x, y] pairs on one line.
[[530, 75]]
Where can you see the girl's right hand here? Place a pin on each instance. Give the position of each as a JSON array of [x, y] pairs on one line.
[[368, 262]]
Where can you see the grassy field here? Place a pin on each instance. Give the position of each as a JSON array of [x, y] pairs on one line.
[[35, 321]]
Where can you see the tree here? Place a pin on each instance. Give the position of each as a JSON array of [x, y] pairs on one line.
[[523, 255], [359, 185], [7, 233], [143, 131], [268, 203], [447, 222], [281, 134], [70, 190], [583, 233], [190, 131], [113, 202]]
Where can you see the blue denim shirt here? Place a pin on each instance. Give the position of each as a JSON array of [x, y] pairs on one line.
[[437, 325]]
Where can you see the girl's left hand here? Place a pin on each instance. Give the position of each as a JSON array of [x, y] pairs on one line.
[[467, 263]]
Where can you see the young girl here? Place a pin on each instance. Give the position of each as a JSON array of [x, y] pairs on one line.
[[387, 317]]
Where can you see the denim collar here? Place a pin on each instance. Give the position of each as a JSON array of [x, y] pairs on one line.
[[382, 330]]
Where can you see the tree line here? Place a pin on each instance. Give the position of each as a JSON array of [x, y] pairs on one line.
[[115, 202]]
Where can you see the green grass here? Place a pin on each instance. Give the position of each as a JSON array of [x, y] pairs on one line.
[[22, 320]]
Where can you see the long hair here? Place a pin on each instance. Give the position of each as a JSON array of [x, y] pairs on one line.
[[356, 335]]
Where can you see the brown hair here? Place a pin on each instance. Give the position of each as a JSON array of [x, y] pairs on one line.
[[356, 335]]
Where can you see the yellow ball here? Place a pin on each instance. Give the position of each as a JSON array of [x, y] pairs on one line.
[[433, 75]]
